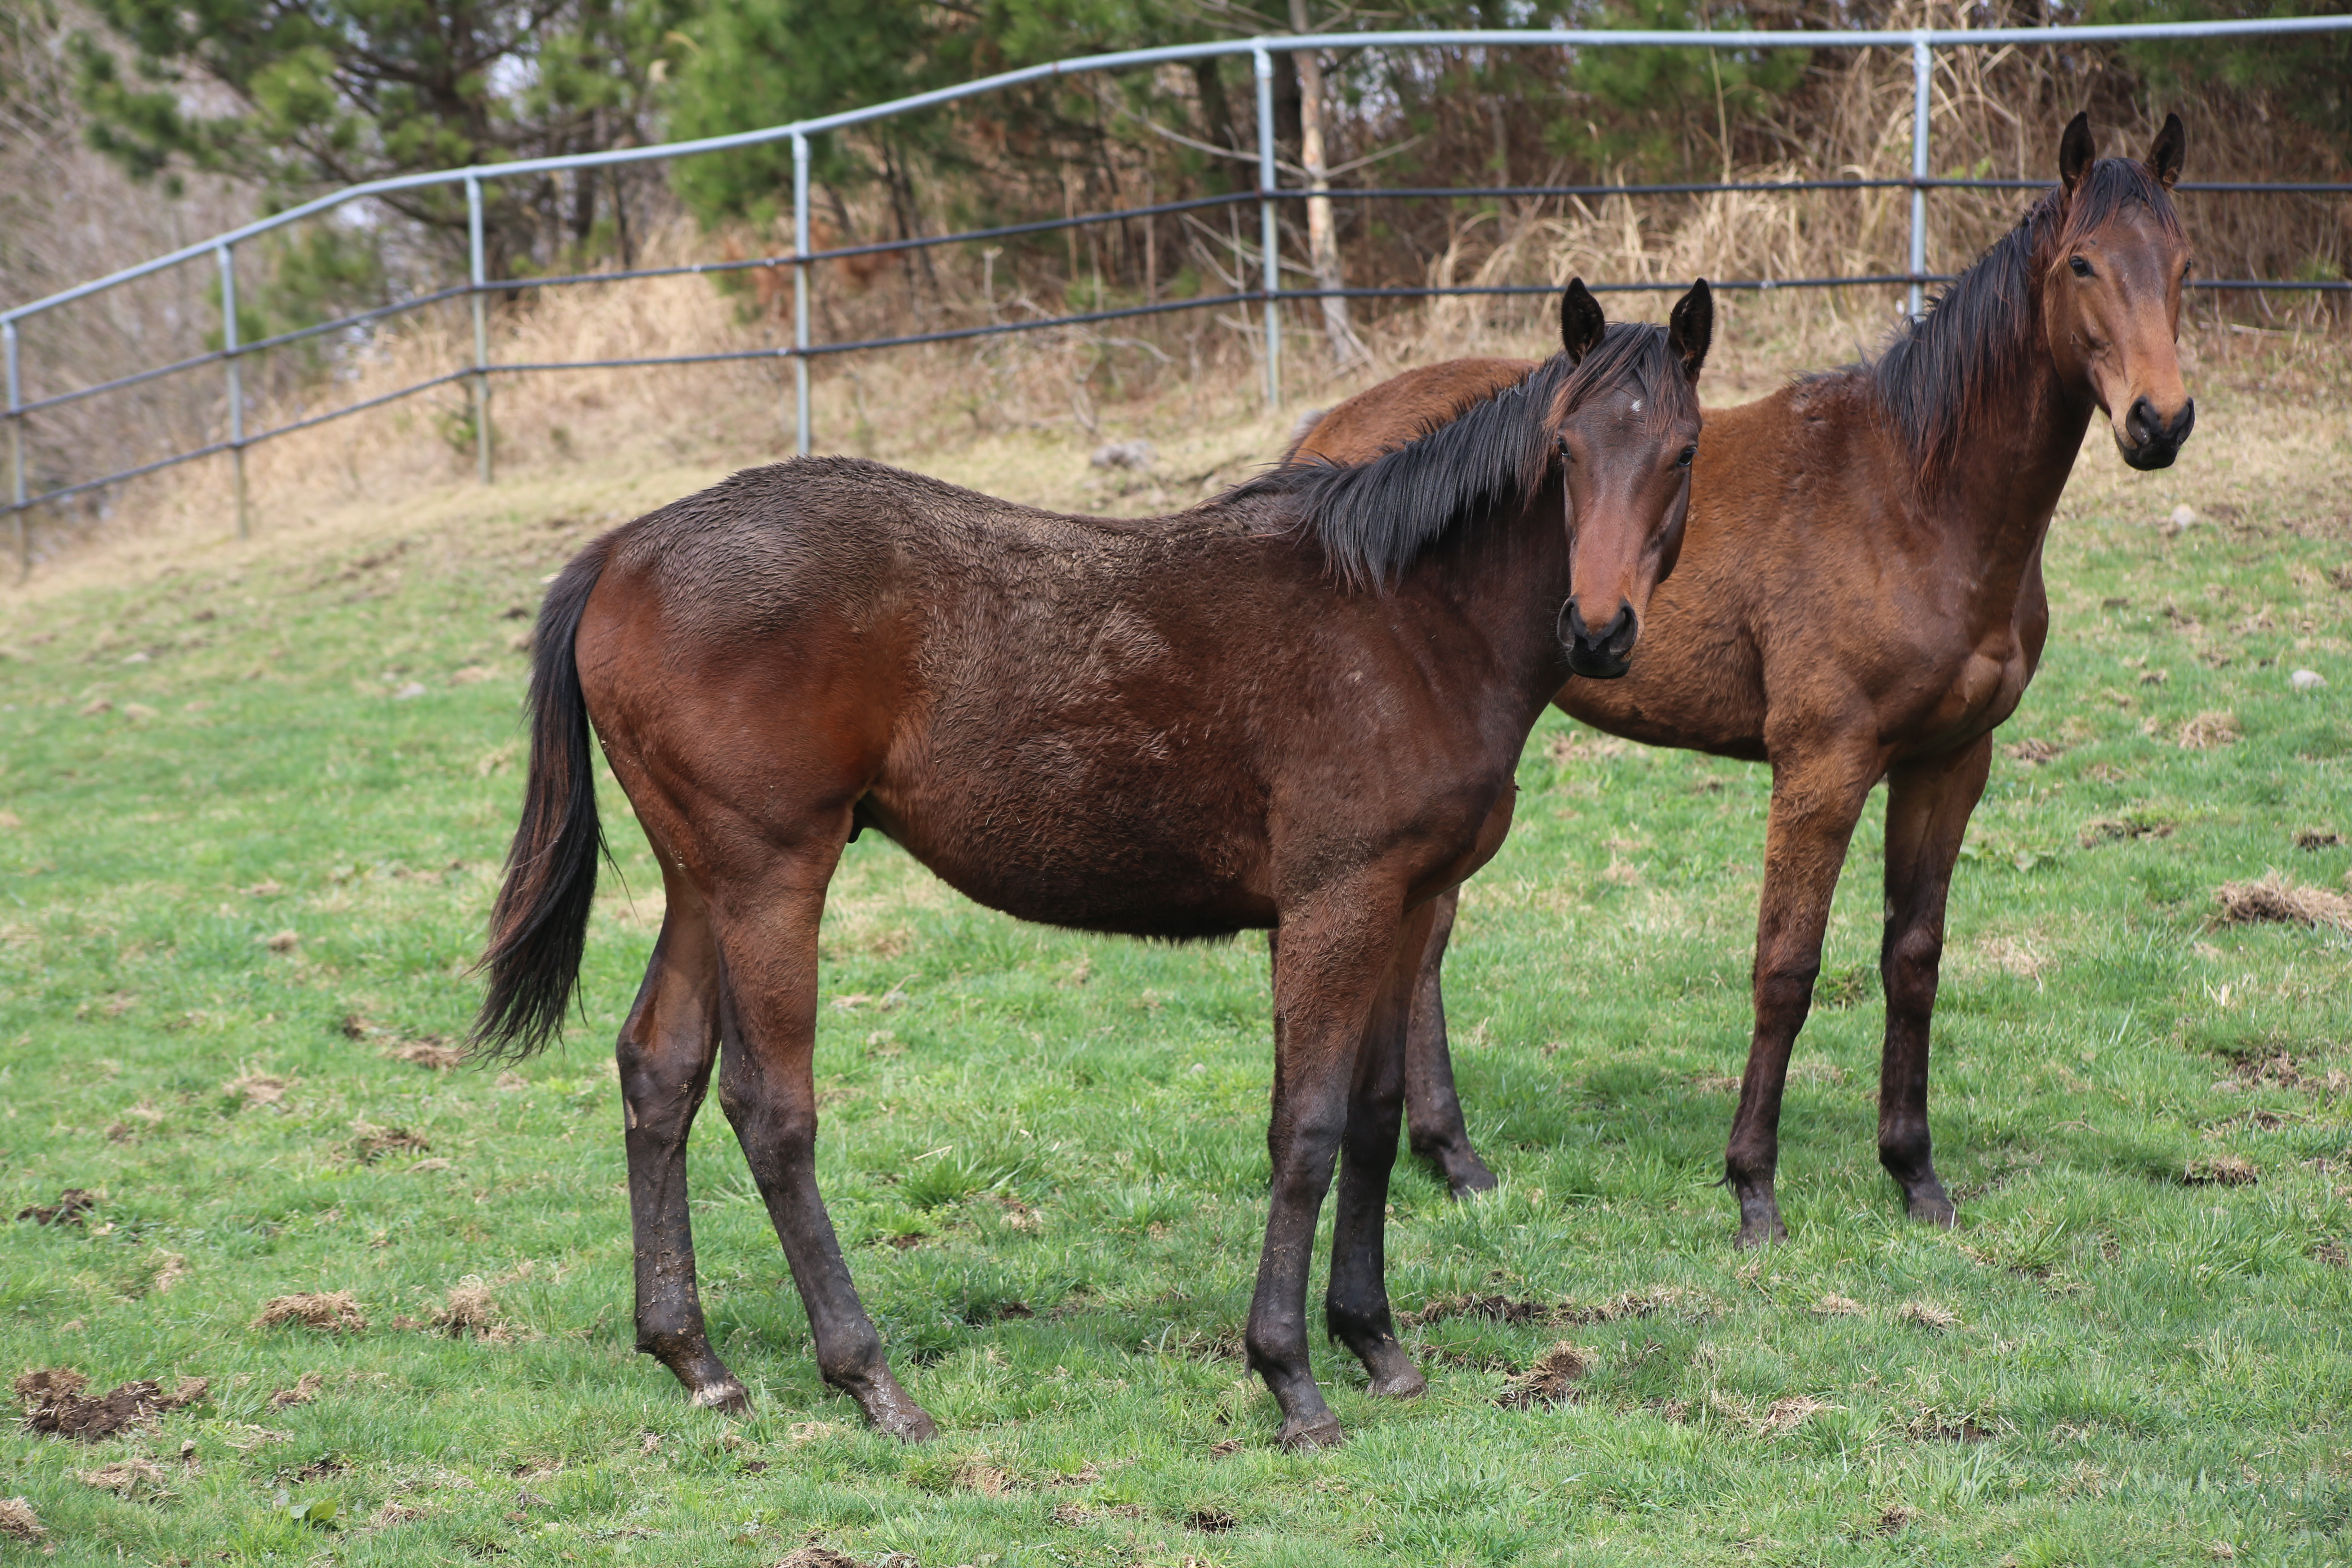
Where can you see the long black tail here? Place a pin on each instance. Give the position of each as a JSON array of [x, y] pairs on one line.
[[541, 922]]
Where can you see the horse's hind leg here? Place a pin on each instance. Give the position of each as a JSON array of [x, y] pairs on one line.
[[665, 1055], [1928, 806], [768, 931], [1357, 1307], [1433, 1111]]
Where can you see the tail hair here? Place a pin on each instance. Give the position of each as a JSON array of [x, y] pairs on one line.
[[540, 923]]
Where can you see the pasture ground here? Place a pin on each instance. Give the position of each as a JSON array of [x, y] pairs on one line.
[[252, 803]]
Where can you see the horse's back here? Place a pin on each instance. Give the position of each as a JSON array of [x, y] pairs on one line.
[[1381, 418]]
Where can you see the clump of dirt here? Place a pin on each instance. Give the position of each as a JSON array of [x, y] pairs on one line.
[[468, 1308], [258, 1088], [306, 1389], [432, 1052], [333, 1311], [1836, 1306], [1927, 1315], [1948, 1427], [19, 1522], [2273, 898], [2221, 1171], [1209, 1520], [71, 1205], [2105, 829], [1550, 1381], [2208, 731], [975, 1474], [372, 1142], [2034, 754], [2318, 839], [55, 1405], [1896, 1516], [814, 1556], [129, 1478]]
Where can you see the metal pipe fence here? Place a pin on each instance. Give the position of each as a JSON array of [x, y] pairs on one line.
[[1267, 195]]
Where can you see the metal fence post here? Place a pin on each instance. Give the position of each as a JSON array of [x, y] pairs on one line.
[[236, 385], [481, 327], [1267, 238], [1923, 68], [17, 453], [799, 294]]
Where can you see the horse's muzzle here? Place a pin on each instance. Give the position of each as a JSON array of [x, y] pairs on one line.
[[1606, 654], [2148, 440]]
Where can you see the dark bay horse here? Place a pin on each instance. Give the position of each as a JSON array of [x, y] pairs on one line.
[[1297, 707], [1860, 598]]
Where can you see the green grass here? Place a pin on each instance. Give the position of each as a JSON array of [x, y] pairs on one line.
[[1045, 1153]]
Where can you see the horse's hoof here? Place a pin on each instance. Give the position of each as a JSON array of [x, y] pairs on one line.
[[728, 1398], [1756, 1233], [1304, 1436], [1407, 1383], [1934, 1208], [1466, 1183], [915, 1426]]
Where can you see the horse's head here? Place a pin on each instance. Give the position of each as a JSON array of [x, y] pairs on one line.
[[2111, 291], [1628, 424]]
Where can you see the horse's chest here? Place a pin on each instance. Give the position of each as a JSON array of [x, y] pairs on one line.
[[1984, 686]]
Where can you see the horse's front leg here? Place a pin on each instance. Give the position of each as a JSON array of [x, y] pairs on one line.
[[1357, 1307], [1330, 964], [1816, 800], [1433, 1110], [665, 1054], [767, 935], [1928, 803]]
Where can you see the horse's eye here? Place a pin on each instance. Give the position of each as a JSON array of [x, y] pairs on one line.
[[2082, 268], [1684, 460], [2186, 268], [1565, 455]]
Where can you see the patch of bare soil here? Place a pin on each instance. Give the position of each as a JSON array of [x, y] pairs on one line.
[[333, 1311], [71, 1205], [55, 1405], [2273, 899], [1550, 1380], [306, 1389], [371, 1142], [432, 1052]]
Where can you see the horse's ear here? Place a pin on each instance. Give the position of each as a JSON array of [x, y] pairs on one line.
[[1581, 320], [2076, 153], [2164, 158], [1691, 327]]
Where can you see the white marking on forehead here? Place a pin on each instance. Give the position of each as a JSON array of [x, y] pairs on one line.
[[1637, 405]]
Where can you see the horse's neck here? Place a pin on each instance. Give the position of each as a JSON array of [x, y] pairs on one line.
[[1996, 504], [1509, 578]]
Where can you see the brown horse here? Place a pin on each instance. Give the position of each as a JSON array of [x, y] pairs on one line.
[[1860, 598], [1296, 707]]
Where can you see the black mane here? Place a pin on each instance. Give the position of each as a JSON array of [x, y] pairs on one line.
[[1938, 376], [1374, 520]]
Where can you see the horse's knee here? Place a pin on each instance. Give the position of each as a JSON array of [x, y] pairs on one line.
[[1784, 993], [1908, 968]]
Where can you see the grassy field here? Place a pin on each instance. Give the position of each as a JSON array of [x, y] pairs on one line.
[[251, 806]]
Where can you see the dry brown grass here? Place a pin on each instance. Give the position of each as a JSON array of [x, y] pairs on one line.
[[331, 1311], [2273, 898]]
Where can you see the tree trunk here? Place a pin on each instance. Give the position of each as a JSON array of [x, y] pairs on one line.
[[1322, 236]]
